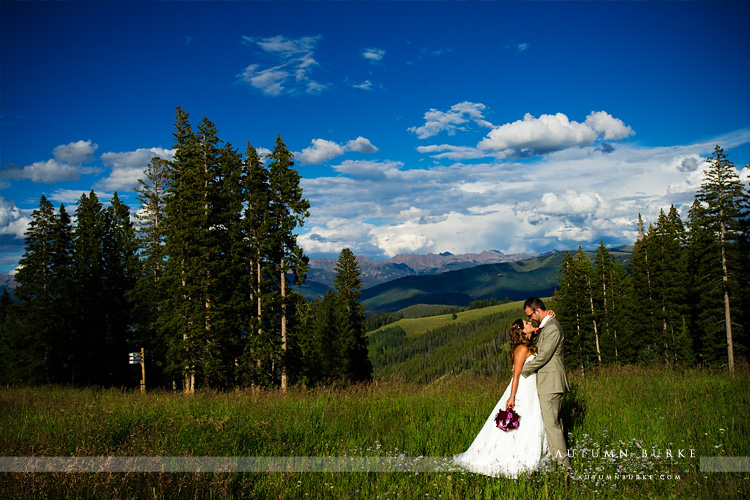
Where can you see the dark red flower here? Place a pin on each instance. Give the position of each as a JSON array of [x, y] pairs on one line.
[[507, 420]]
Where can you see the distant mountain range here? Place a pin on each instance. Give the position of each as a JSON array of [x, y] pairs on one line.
[[453, 279], [7, 281], [513, 280], [374, 272]]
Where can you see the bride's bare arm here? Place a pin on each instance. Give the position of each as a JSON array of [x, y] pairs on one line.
[[519, 356]]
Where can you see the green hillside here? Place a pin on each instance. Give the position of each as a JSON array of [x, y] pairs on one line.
[[414, 327], [471, 347], [514, 280]]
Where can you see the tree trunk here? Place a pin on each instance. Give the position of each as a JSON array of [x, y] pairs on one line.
[[283, 328], [725, 279]]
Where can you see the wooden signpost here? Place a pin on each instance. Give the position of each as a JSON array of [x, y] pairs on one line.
[[137, 358]]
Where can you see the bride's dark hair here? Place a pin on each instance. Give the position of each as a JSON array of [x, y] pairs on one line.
[[517, 338]]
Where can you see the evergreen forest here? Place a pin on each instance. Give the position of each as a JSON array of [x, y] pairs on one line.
[[685, 298], [203, 278]]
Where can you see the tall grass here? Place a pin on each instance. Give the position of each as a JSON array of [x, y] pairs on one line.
[[615, 409]]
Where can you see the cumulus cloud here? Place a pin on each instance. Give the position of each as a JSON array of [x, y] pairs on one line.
[[65, 166], [608, 126], [570, 203], [361, 145], [13, 220], [689, 164], [548, 133], [75, 152], [510, 206], [452, 120], [323, 150], [128, 167], [293, 62], [320, 152], [373, 54]]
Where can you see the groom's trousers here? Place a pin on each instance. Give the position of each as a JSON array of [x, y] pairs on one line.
[[550, 404]]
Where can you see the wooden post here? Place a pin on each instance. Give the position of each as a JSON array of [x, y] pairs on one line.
[[139, 358], [143, 371]]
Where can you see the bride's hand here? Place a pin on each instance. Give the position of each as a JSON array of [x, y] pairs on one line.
[[551, 313], [510, 403]]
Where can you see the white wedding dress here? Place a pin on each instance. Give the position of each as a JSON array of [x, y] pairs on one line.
[[495, 452]]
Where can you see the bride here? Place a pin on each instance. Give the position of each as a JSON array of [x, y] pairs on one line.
[[495, 452]]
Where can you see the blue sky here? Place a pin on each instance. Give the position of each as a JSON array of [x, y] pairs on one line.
[[417, 126]]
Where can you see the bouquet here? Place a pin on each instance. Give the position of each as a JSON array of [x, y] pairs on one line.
[[507, 420]]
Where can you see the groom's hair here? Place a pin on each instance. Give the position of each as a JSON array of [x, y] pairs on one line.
[[533, 303]]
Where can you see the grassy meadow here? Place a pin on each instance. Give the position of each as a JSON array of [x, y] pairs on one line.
[[611, 416]]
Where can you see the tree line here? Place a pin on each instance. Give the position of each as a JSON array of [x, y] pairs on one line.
[[686, 299], [202, 278]]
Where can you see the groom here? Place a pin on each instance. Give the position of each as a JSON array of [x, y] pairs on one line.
[[551, 381]]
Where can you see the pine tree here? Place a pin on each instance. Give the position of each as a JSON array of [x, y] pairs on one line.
[[38, 341], [90, 363], [325, 363], [227, 297], [705, 298], [574, 302], [147, 294], [256, 226], [182, 320], [644, 320], [726, 202], [617, 312], [353, 341], [670, 283], [11, 338], [120, 269], [288, 210], [608, 293]]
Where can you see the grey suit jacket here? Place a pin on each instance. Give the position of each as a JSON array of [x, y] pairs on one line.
[[549, 363]]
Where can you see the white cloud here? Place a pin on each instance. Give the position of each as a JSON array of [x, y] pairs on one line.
[[13, 220], [560, 200], [360, 145], [269, 81], [323, 150], [454, 152], [570, 203], [48, 172], [263, 153], [128, 167], [605, 124], [373, 54], [689, 163], [66, 166], [72, 196], [75, 152], [452, 120], [548, 133], [372, 170], [320, 152], [288, 48], [293, 64], [366, 85]]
